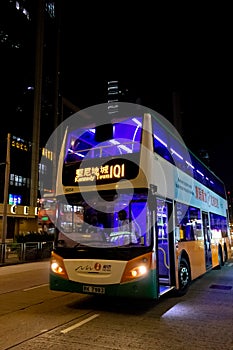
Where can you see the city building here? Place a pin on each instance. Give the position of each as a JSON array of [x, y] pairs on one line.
[[28, 92]]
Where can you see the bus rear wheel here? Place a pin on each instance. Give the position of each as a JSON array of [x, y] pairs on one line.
[[184, 276]]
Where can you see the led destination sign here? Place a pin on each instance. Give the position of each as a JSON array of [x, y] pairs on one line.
[[116, 171], [109, 172]]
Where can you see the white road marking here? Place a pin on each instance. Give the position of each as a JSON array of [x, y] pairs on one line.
[[41, 285], [76, 325]]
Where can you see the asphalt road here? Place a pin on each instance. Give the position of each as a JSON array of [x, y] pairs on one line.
[[33, 317]]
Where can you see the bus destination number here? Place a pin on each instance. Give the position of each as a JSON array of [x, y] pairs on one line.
[[93, 289]]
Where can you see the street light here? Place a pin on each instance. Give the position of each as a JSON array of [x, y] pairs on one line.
[[5, 200]]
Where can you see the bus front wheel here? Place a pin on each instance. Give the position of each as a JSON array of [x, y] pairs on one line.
[[184, 276]]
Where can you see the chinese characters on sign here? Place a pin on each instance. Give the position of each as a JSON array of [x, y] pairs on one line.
[[116, 171]]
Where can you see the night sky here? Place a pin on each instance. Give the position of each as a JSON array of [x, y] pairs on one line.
[[153, 54]]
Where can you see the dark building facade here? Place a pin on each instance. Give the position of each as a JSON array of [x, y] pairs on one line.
[[28, 95]]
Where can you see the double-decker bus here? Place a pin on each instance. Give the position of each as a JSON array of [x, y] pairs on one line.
[[176, 208]]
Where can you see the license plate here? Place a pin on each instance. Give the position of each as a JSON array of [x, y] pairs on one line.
[[94, 289]]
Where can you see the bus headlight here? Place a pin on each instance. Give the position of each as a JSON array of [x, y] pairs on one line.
[[139, 271], [56, 268], [57, 265], [137, 268]]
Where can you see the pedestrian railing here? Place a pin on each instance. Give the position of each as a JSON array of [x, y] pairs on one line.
[[13, 253]]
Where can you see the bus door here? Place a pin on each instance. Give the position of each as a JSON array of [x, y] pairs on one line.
[[165, 245], [207, 239]]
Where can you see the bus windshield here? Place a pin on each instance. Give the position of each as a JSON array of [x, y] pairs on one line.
[[117, 220]]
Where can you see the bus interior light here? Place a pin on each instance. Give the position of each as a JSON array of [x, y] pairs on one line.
[[176, 153], [137, 122], [161, 141], [189, 164]]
